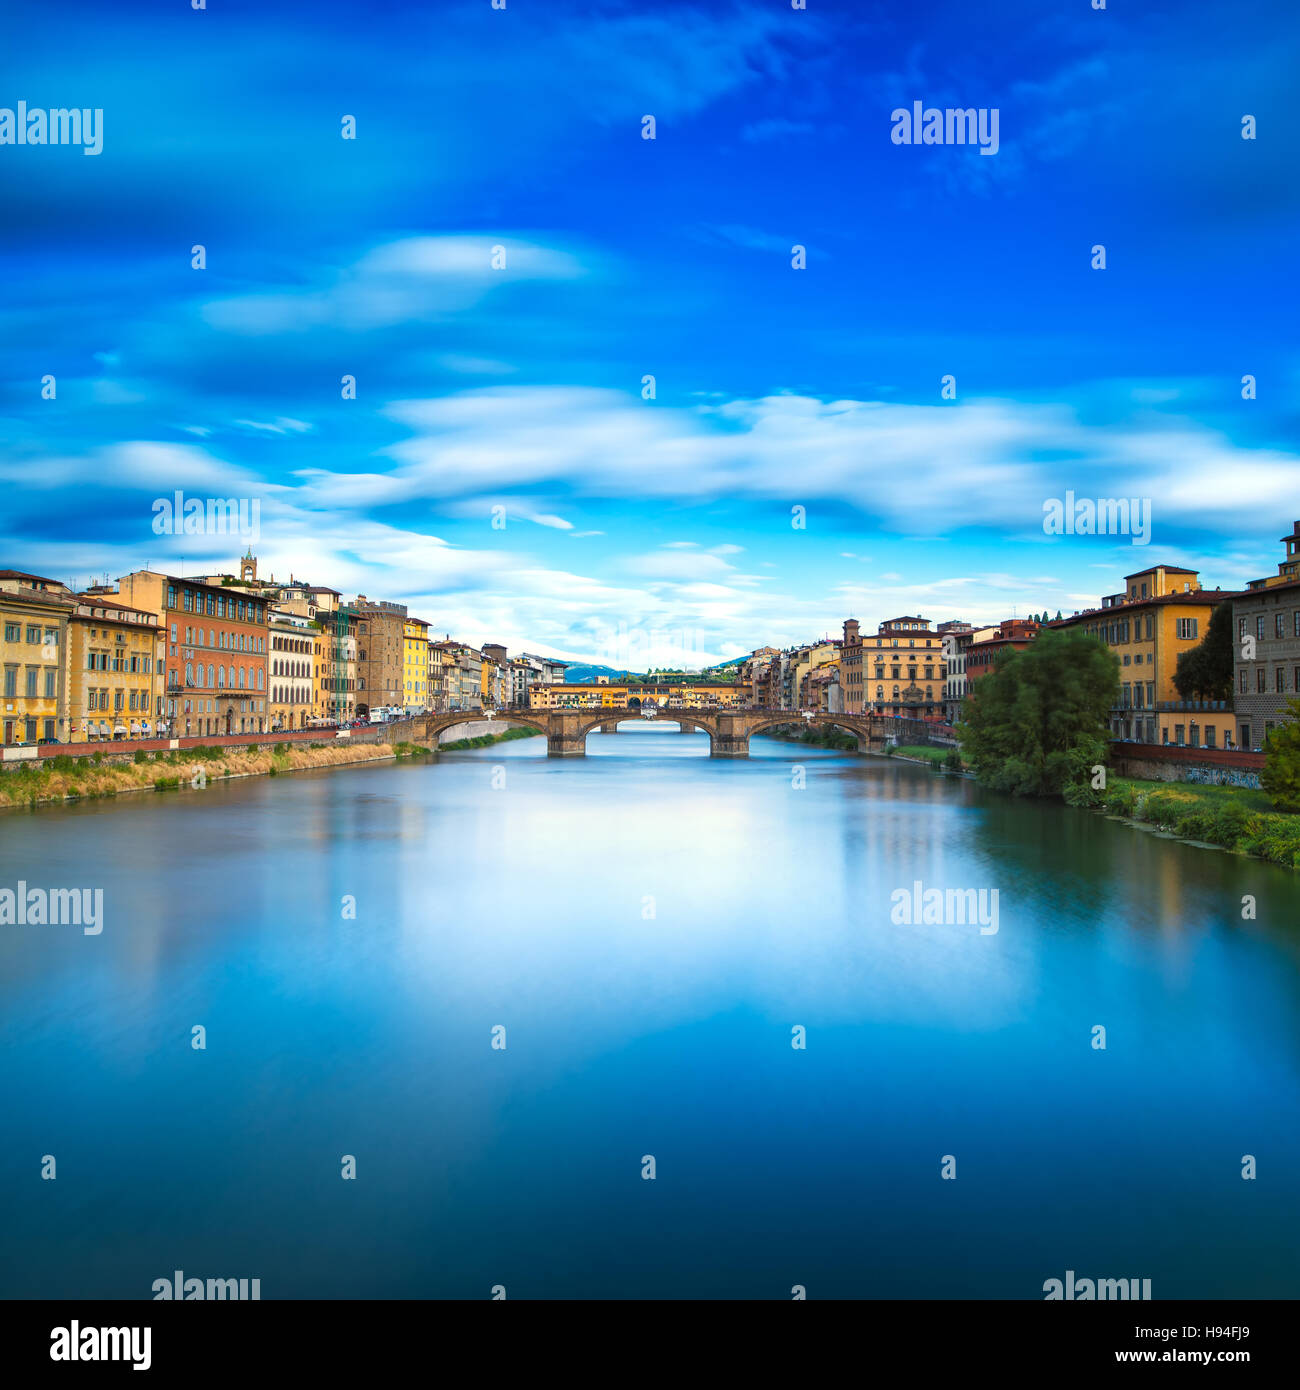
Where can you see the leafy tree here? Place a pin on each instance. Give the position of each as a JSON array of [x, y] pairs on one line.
[[1204, 672], [1281, 775], [1036, 724]]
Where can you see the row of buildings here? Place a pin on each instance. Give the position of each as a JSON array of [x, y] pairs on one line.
[[233, 654], [217, 654], [912, 669]]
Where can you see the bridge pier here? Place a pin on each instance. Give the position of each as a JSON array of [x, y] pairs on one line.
[[566, 738], [731, 739]]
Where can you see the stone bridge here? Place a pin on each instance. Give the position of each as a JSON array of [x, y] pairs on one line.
[[729, 730]]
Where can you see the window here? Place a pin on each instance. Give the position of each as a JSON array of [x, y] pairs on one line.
[[31, 682], [1245, 736], [1209, 736], [1187, 629], [1260, 683], [51, 683], [13, 631], [1279, 625], [1241, 680], [1259, 626], [1279, 680], [33, 637]]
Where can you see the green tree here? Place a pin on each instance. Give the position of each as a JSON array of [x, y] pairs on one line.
[[1281, 775], [1036, 724], [1204, 672]]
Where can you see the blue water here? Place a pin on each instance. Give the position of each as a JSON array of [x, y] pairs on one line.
[[498, 887]]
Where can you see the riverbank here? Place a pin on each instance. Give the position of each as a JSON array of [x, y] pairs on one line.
[[487, 740], [65, 778], [1238, 819]]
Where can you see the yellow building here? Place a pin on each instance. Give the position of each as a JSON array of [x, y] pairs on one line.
[[34, 619], [1161, 613], [115, 671], [904, 669], [415, 666], [663, 695]]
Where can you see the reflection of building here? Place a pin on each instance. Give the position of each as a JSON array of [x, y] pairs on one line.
[[904, 670], [216, 651], [115, 677], [633, 695], [35, 612], [1161, 613], [1269, 613]]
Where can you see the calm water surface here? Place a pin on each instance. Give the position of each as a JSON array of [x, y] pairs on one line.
[[529, 905]]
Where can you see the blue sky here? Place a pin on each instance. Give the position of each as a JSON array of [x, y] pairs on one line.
[[643, 532]]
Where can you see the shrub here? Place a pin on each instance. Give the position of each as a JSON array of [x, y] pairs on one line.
[[140, 756], [953, 761]]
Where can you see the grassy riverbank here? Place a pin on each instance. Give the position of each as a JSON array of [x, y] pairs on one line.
[[1234, 818], [486, 740], [85, 779]]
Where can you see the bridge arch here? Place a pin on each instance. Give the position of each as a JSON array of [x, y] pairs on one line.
[[860, 729]]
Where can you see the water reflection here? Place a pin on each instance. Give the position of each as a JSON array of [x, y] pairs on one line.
[[649, 925]]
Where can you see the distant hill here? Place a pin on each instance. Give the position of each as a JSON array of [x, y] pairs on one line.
[[583, 675]]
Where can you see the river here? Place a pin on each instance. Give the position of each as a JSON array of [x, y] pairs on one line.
[[650, 927]]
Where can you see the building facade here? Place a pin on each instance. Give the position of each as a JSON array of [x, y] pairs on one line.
[[115, 671], [904, 670], [292, 671], [1266, 625], [380, 659], [416, 691], [1161, 613], [35, 613], [216, 640]]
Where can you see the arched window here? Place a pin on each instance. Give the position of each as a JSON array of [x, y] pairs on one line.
[[221, 677], [880, 692], [261, 679], [210, 679], [895, 692], [189, 673]]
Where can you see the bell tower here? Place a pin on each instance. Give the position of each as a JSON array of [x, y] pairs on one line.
[[248, 568]]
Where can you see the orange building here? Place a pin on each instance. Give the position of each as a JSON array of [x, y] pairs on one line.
[[215, 639]]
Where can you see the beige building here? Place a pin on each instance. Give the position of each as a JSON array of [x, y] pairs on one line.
[[115, 671], [381, 649], [291, 670]]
